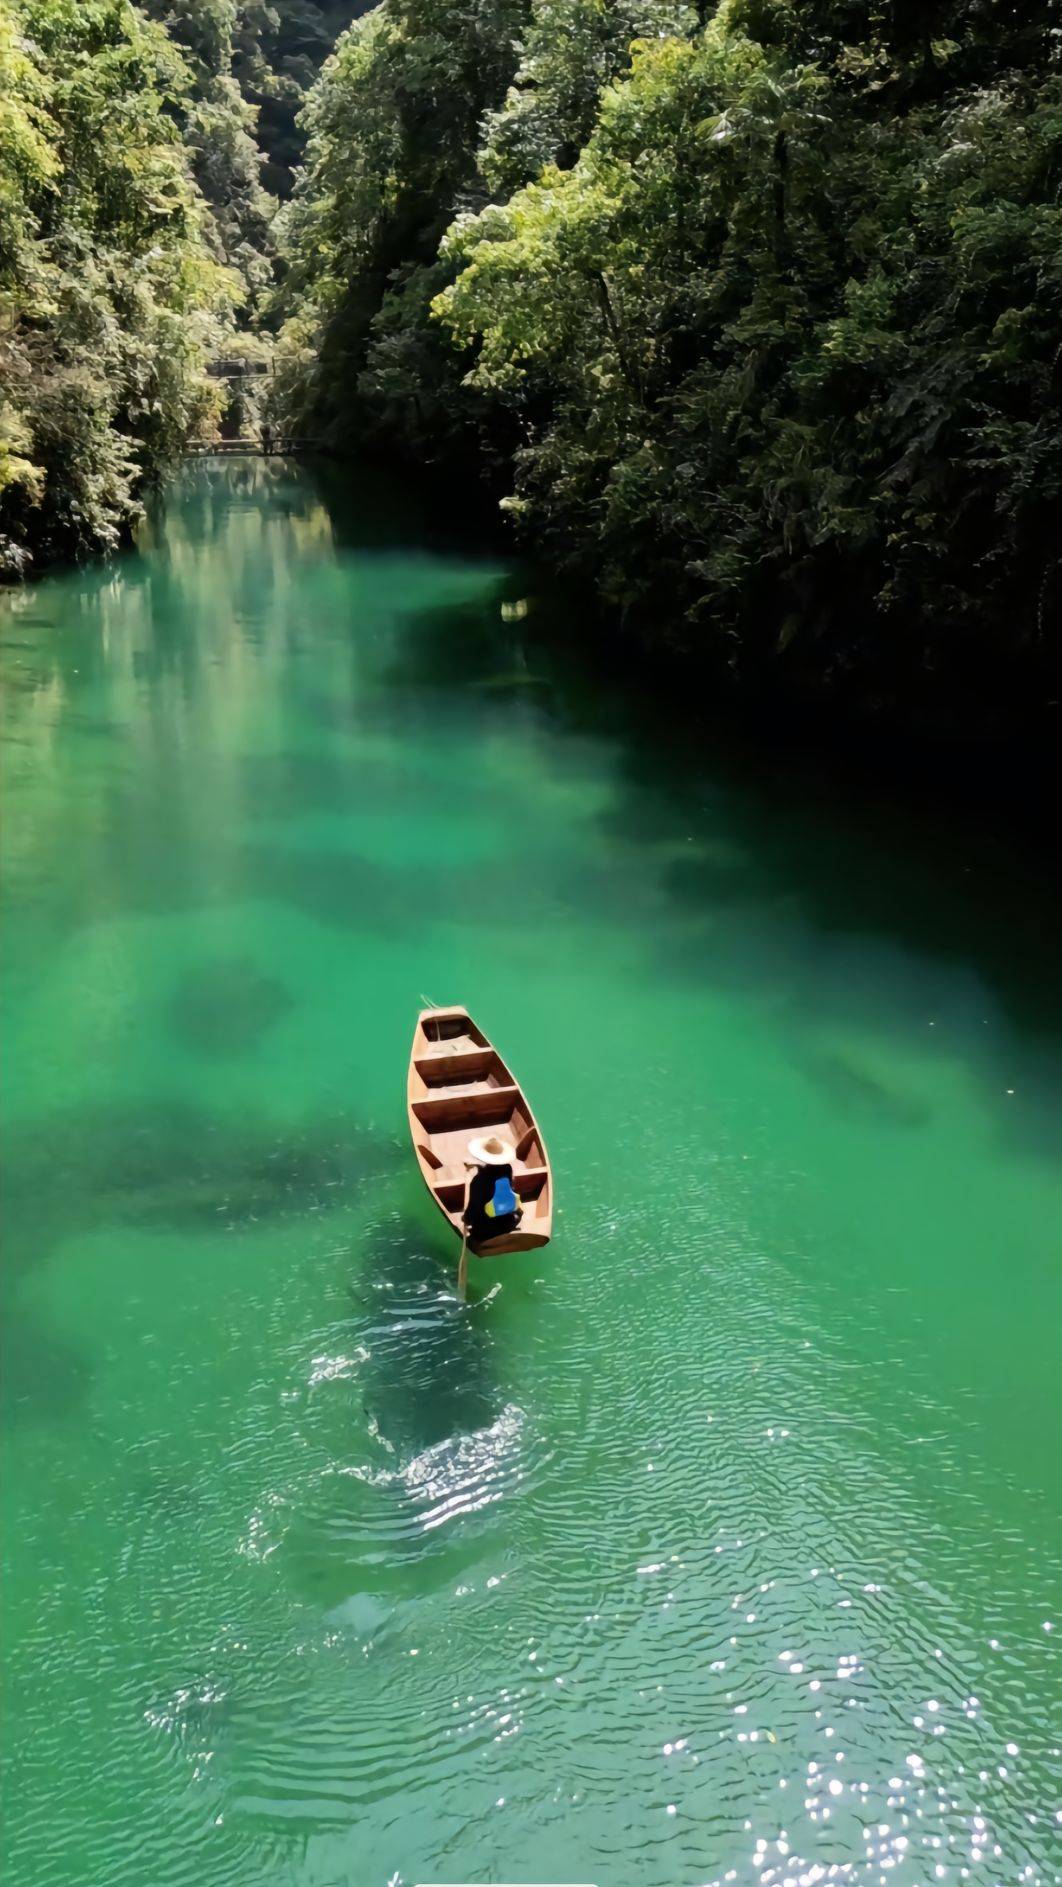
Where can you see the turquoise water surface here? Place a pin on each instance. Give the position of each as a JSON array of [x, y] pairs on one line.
[[719, 1541]]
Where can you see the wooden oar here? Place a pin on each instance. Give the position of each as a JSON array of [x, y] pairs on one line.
[[462, 1263]]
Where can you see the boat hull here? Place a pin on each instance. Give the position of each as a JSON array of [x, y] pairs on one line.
[[458, 1089]]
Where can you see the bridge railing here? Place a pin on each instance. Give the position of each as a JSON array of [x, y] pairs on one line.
[[232, 367], [275, 445]]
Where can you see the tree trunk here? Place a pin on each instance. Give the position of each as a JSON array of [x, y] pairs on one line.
[[615, 336], [781, 175]]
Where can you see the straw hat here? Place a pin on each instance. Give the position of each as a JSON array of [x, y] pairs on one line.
[[490, 1151]]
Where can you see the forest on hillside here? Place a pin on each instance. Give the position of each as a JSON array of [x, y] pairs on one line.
[[748, 315], [144, 151]]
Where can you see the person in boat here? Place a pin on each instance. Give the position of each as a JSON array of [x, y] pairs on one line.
[[492, 1207]]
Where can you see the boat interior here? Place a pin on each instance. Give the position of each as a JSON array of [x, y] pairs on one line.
[[459, 1089]]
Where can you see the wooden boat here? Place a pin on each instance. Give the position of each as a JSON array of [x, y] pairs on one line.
[[459, 1089]]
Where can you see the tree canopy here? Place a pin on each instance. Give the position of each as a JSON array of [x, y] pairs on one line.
[[136, 236], [755, 317], [110, 296]]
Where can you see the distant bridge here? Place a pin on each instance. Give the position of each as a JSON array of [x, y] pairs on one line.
[[279, 444], [232, 367]]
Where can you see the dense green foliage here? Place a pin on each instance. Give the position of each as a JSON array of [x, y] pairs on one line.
[[428, 107], [279, 47], [393, 126], [109, 296], [218, 128], [253, 62], [135, 239], [759, 319]]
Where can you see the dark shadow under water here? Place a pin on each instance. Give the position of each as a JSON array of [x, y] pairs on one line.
[[784, 870], [155, 1168]]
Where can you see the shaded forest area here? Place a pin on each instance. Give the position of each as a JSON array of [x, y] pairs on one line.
[[143, 153], [749, 316], [755, 320]]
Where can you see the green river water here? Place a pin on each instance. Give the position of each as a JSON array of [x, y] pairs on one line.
[[720, 1540]]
